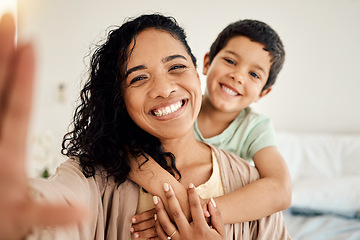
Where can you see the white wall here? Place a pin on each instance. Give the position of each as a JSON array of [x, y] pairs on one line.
[[316, 91]]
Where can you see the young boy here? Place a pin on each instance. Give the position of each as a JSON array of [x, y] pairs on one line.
[[241, 68]]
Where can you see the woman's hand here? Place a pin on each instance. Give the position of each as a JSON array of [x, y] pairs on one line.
[[197, 229], [18, 213]]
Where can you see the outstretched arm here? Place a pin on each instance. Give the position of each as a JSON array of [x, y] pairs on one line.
[[18, 212], [267, 195]]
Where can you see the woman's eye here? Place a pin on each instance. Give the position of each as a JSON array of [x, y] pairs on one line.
[[254, 75], [177, 67], [230, 61], [137, 79]]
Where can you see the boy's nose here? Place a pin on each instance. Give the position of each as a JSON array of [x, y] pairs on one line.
[[238, 77], [161, 86]]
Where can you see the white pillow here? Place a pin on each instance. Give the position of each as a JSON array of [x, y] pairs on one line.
[[319, 195]]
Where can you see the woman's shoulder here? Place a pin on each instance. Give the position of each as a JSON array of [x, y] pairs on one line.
[[234, 168], [224, 156]]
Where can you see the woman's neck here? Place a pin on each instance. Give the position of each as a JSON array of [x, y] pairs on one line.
[[189, 153], [183, 147], [192, 159]]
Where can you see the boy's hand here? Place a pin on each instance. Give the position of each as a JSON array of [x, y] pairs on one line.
[[18, 213], [204, 203], [144, 225]]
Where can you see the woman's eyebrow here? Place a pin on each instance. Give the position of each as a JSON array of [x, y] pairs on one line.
[[131, 70], [171, 57], [141, 67]]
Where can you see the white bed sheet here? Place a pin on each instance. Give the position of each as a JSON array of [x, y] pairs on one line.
[[322, 227]]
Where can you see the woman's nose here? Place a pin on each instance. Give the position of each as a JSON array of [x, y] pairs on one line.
[[161, 86]]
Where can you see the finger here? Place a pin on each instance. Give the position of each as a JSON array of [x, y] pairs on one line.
[[147, 233], [17, 112], [162, 217], [195, 206], [154, 238], [175, 209], [142, 226], [7, 36], [159, 230], [149, 214], [216, 219], [205, 210]]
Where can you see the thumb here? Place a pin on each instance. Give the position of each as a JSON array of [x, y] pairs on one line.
[[205, 209], [216, 219]]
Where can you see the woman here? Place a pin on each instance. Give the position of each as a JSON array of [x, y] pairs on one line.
[[20, 214], [141, 99]]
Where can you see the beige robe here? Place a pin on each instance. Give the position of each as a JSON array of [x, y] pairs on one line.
[[112, 207]]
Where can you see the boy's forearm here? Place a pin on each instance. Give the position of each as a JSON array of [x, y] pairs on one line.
[[256, 200], [152, 178], [263, 197]]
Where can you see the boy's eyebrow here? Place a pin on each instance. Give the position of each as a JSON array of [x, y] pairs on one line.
[[131, 70], [260, 68], [171, 57]]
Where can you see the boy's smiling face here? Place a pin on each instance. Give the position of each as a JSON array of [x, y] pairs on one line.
[[237, 75]]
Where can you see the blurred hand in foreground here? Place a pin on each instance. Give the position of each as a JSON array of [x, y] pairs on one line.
[[18, 213]]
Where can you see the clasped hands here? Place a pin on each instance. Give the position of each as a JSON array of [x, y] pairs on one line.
[[156, 223]]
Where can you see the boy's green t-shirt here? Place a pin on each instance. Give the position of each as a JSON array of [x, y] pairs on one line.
[[247, 134]]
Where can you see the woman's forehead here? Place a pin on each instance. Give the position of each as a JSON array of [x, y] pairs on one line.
[[154, 43]]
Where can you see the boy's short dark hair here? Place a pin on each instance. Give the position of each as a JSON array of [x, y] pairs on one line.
[[256, 31]]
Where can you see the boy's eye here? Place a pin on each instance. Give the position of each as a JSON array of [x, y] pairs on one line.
[[254, 75], [230, 61]]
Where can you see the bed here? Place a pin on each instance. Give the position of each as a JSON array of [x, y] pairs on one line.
[[325, 172]]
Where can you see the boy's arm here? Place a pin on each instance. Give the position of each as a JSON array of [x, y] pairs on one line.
[[265, 196], [151, 176]]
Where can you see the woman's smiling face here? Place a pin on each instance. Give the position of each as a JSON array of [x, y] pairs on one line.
[[162, 90]]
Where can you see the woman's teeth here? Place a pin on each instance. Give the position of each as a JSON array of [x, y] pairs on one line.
[[167, 110], [229, 91]]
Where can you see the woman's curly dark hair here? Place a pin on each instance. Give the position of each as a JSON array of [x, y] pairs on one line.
[[104, 136]]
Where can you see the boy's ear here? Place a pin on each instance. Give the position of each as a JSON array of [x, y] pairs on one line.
[[263, 93], [206, 63]]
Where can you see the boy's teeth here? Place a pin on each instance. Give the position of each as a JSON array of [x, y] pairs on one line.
[[168, 110], [228, 90]]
